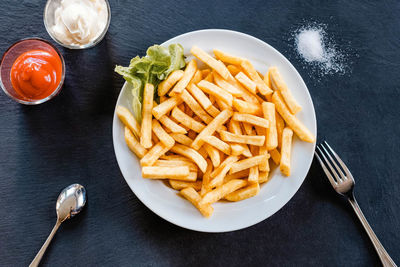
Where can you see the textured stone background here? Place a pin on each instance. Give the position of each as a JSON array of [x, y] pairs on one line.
[[46, 147]]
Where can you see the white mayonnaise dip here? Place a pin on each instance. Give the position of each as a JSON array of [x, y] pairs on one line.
[[79, 22]]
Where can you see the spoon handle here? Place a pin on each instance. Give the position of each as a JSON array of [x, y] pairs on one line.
[[42, 250]]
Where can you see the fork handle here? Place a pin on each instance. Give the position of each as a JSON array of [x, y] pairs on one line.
[[383, 255]]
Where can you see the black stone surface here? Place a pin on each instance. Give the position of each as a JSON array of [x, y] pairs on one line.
[[47, 147]]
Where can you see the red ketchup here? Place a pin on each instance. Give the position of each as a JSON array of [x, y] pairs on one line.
[[36, 74]]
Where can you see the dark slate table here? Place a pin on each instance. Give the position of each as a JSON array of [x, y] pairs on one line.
[[44, 148]]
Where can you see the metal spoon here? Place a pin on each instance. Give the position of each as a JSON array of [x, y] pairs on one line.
[[69, 203]]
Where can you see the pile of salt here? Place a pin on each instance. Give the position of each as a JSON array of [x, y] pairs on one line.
[[311, 46]]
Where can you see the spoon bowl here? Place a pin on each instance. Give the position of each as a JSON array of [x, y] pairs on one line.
[[70, 201]]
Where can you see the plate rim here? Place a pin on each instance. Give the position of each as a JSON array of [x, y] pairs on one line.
[[229, 229]]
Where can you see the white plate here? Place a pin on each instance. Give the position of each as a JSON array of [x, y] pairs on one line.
[[165, 202]]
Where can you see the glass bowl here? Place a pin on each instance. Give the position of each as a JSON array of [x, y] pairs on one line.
[[48, 19], [9, 57]]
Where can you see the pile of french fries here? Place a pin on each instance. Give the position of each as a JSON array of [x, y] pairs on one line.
[[215, 130]]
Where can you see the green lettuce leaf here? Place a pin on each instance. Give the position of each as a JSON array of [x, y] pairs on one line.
[[158, 63]]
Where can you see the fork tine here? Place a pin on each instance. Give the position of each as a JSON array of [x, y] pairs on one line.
[[328, 174], [342, 176], [346, 170], [338, 180]]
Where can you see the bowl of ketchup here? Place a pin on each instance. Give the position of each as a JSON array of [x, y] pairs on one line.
[[32, 71]]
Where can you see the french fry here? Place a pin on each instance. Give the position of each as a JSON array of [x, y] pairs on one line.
[[219, 173], [286, 151], [227, 58], [205, 187], [199, 95], [247, 107], [162, 135], [248, 128], [182, 139], [226, 162], [264, 166], [166, 106], [279, 84], [179, 185], [272, 135], [171, 125], [197, 77], [209, 78], [216, 123], [210, 61], [222, 105], [267, 79], [244, 193], [247, 95], [275, 156], [175, 157], [246, 82], [237, 175], [134, 144], [213, 111], [247, 163], [213, 154], [252, 119], [234, 127], [295, 124], [280, 124], [227, 86], [128, 120], [216, 91], [205, 72], [187, 121], [177, 173], [237, 149], [218, 143], [176, 163], [221, 191], [233, 69], [194, 175], [195, 106], [252, 73], [167, 84], [242, 139], [145, 130], [153, 154], [263, 177], [253, 175], [193, 197], [190, 70], [202, 151], [191, 154]]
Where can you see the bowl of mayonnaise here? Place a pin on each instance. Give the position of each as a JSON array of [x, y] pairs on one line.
[[77, 24]]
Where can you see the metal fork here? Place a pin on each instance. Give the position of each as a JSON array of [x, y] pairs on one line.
[[343, 183]]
